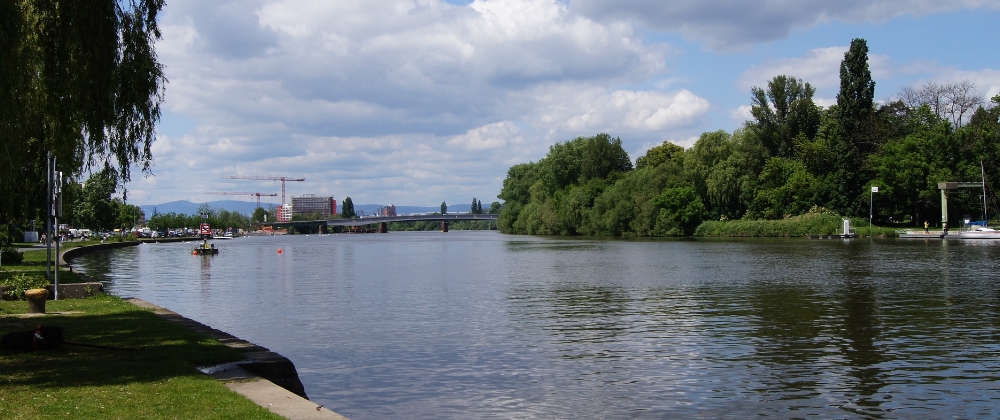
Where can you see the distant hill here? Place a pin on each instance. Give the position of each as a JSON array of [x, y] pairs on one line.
[[247, 207]]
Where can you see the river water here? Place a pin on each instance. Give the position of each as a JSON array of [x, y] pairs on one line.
[[485, 325]]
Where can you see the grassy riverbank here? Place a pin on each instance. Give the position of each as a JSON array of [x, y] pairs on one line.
[[813, 223], [159, 381], [34, 262]]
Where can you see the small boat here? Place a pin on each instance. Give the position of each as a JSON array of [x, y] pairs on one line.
[[205, 249]]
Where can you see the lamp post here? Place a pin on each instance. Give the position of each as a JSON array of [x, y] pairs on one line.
[[871, 201]]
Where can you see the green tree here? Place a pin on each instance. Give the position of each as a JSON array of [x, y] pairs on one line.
[[444, 208], [259, 215], [786, 188], [908, 170], [479, 207], [473, 207], [659, 155], [128, 214], [347, 209], [80, 80], [495, 207], [94, 209], [782, 112], [856, 100], [603, 156], [855, 108], [680, 211]]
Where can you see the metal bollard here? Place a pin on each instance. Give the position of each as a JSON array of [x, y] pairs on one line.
[[36, 300]]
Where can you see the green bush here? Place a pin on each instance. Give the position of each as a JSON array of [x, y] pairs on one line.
[[19, 283], [816, 222], [10, 255]]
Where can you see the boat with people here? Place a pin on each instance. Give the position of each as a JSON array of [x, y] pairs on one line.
[[205, 248]]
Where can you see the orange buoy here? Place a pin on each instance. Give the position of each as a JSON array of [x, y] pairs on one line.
[[279, 250]]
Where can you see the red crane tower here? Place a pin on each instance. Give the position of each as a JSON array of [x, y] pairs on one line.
[[257, 194], [269, 178]]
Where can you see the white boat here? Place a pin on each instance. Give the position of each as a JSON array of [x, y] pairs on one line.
[[979, 233]]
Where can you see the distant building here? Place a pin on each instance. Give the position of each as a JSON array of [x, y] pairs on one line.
[[386, 211], [284, 213], [325, 207]]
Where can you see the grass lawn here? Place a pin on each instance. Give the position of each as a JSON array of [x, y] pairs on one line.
[[159, 381], [34, 262]]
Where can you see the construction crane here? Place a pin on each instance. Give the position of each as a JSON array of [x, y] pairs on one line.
[[257, 194], [269, 178]]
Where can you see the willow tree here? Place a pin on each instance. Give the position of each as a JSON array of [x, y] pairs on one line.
[[80, 79]]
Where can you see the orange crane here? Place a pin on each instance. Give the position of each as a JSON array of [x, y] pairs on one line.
[[269, 178], [257, 194]]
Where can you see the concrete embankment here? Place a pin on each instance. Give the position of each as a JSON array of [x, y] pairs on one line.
[[265, 377]]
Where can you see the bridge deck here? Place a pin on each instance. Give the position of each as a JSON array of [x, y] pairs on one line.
[[361, 221]]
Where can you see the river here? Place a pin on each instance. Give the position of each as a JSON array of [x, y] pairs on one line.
[[484, 325]]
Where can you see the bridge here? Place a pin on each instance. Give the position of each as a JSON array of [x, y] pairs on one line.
[[382, 221]]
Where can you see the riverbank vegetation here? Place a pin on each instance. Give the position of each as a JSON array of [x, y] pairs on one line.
[[160, 380], [792, 158], [30, 266]]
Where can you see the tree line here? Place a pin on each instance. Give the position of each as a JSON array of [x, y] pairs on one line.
[[793, 157], [217, 218]]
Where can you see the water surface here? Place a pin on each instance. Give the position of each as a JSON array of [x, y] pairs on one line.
[[485, 325]]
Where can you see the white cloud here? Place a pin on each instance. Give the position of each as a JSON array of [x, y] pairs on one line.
[[741, 114], [490, 136], [987, 81], [588, 111], [419, 101], [724, 24], [381, 94], [819, 67]]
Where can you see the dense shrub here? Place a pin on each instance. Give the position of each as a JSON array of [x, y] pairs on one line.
[[19, 283], [10, 255]]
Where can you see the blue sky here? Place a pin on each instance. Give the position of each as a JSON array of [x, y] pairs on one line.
[[415, 102]]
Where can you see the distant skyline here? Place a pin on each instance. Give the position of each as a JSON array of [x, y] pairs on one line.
[[415, 102]]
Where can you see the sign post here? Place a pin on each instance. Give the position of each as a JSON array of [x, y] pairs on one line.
[[871, 200]]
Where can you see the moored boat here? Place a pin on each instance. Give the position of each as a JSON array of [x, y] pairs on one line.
[[982, 232]]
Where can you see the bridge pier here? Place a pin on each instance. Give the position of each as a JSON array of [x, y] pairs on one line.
[[444, 226], [323, 229], [383, 227]]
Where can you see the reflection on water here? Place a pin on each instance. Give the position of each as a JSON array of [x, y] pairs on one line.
[[478, 324]]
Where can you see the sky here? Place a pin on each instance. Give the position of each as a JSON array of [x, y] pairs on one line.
[[419, 102]]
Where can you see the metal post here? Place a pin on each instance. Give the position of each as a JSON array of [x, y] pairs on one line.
[[58, 199], [50, 211], [871, 206]]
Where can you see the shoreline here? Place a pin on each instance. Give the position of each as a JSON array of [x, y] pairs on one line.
[[267, 378]]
